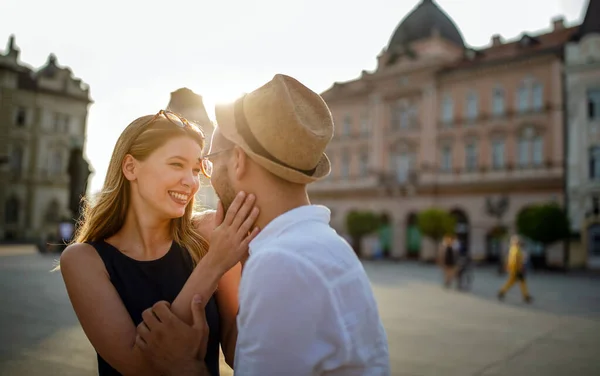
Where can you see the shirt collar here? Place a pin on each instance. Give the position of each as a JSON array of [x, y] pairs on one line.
[[314, 213]]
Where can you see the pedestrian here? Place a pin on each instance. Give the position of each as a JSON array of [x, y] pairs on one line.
[[516, 264], [447, 259]]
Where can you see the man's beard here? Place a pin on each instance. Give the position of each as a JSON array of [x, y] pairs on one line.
[[226, 195]]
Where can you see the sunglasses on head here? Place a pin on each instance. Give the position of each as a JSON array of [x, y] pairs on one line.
[[182, 122]]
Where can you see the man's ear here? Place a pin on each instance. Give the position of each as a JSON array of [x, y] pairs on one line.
[[241, 162], [129, 167]]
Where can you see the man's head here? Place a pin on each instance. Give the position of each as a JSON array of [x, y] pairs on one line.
[[275, 135]]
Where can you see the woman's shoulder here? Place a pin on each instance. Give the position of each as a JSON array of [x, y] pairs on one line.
[[204, 222], [80, 254]]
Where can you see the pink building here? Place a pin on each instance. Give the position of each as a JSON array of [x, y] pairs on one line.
[[440, 124]]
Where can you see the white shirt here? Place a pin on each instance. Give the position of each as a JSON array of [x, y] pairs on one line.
[[306, 304]]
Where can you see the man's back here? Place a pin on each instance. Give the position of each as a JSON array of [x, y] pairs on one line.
[[306, 304]]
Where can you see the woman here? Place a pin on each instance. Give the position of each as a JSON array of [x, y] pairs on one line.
[[516, 270], [139, 244], [447, 259]]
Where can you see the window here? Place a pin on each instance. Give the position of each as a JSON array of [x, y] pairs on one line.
[[364, 124], [594, 104], [404, 117], [523, 152], [523, 98], [66, 120], [446, 158], [56, 122], [402, 167], [364, 163], [447, 109], [472, 106], [538, 151], [56, 162], [498, 154], [347, 129], [471, 156], [538, 96], [396, 115], [20, 116], [498, 102], [16, 160], [595, 163], [345, 172]]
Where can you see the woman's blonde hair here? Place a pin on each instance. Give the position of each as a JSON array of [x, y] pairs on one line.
[[106, 215]]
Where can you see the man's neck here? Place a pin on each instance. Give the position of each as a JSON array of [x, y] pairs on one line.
[[274, 204]]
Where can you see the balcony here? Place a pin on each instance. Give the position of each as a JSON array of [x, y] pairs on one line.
[[351, 183], [485, 175]]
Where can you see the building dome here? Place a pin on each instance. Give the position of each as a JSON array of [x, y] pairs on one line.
[[420, 23]]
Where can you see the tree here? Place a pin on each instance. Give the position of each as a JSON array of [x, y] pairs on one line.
[[435, 223], [359, 224], [543, 223]]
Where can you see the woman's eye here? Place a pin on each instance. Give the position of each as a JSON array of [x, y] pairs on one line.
[[177, 164]]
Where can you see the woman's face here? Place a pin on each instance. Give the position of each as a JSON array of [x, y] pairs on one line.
[[169, 178]]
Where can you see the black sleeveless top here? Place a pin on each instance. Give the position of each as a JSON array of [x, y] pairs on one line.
[[140, 284]]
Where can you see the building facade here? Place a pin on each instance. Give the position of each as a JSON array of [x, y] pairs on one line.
[[582, 73], [43, 118], [437, 124], [191, 106]]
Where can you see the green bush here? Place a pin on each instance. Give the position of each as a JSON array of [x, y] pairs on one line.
[[360, 223], [543, 223], [434, 223]]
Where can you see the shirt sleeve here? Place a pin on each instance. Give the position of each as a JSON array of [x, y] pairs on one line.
[[283, 301]]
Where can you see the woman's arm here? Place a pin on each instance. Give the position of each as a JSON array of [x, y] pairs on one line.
[[227, 300], [100, 310], [227, 293]]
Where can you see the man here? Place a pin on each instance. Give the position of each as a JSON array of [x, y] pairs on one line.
[[306, 304]]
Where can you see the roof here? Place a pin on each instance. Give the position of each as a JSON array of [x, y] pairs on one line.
[[27, 78], [420, 24], [591, 22], [526, 46]]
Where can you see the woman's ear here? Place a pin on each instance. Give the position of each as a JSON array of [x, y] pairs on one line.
[[129, 167]]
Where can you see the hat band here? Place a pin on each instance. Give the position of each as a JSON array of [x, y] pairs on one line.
[[244, 129]]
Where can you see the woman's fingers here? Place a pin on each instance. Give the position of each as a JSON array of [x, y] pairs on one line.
[[234, 207], [246, 226], [243, 212], [246, 242]]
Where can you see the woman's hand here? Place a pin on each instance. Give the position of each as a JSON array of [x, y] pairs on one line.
[[233, 232]]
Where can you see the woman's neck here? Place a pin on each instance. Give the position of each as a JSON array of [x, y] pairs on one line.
[[143, 236]]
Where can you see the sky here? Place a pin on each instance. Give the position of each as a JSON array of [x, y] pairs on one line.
[[133, 54]]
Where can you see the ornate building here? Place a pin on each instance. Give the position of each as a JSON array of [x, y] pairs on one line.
[[478, 132], [582, 67], [191, 106], [43, 117]]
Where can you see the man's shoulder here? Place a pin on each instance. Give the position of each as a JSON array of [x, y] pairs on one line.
[[310, 236]]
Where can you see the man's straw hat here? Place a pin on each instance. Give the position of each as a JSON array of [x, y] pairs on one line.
[[283, 126]]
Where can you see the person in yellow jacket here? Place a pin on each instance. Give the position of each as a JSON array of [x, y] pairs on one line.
[[515, 267]]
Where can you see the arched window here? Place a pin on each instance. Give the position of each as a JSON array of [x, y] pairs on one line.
[[52, 214]]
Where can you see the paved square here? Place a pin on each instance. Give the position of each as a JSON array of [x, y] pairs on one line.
[[431, 331]]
